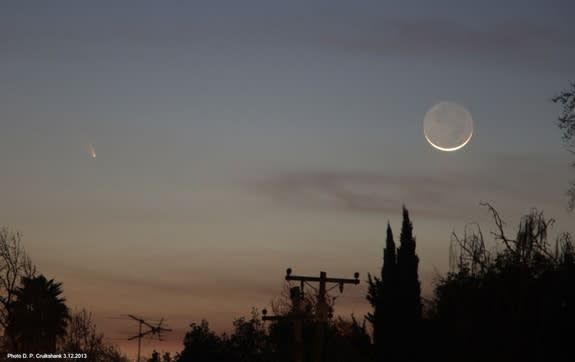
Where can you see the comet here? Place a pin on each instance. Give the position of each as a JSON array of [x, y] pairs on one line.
[[91, 150]]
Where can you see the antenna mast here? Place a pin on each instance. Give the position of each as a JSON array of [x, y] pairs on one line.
[[153, 330]]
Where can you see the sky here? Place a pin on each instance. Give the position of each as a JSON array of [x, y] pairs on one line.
[[236, 139]]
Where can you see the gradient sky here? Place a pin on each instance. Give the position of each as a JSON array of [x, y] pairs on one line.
[[236, 139]]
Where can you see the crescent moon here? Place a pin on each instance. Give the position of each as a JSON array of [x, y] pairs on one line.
[[452, 148], [448, 126]]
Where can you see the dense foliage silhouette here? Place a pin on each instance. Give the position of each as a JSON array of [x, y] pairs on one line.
[[38, 317], [395, 297], [345, 341], [34, 317], [513, 302], [519, 304]]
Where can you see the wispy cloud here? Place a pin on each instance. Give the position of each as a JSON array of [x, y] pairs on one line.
[[514, 41], [519, 43], [356, 192], [166, 284], [439, 194]]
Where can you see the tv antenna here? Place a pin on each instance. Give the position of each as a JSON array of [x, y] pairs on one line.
[[152, 331]]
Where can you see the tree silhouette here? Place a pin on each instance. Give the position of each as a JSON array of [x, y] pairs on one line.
[[82, 336], [14, 264], [409, 306], [395, 297], [202, 345], [520, 305], [566, 122], [382, 295], [166, 357], [249, 342], [348, 341], [38, 317], [567, 117]]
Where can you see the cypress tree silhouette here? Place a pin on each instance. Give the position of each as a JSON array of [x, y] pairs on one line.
[[408, 305], [396, 298], [407, 265], [390, 293], [383, 296]]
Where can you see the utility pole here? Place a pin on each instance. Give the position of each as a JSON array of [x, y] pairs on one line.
[[139, 338], [322, 307]]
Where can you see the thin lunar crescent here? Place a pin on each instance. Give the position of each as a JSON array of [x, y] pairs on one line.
[[448, 126], [449, 149]]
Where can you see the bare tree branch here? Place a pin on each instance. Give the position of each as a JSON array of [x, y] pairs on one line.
[[566, 122], [500, 226], [14, 264], [473, 252]]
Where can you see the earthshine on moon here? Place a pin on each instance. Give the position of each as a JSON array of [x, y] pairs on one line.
[[448, 126]]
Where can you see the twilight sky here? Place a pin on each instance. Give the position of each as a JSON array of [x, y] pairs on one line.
[[236, 139]]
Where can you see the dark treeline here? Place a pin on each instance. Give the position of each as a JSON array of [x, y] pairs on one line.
[[251, 340], [515, 302], [34, 317]]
